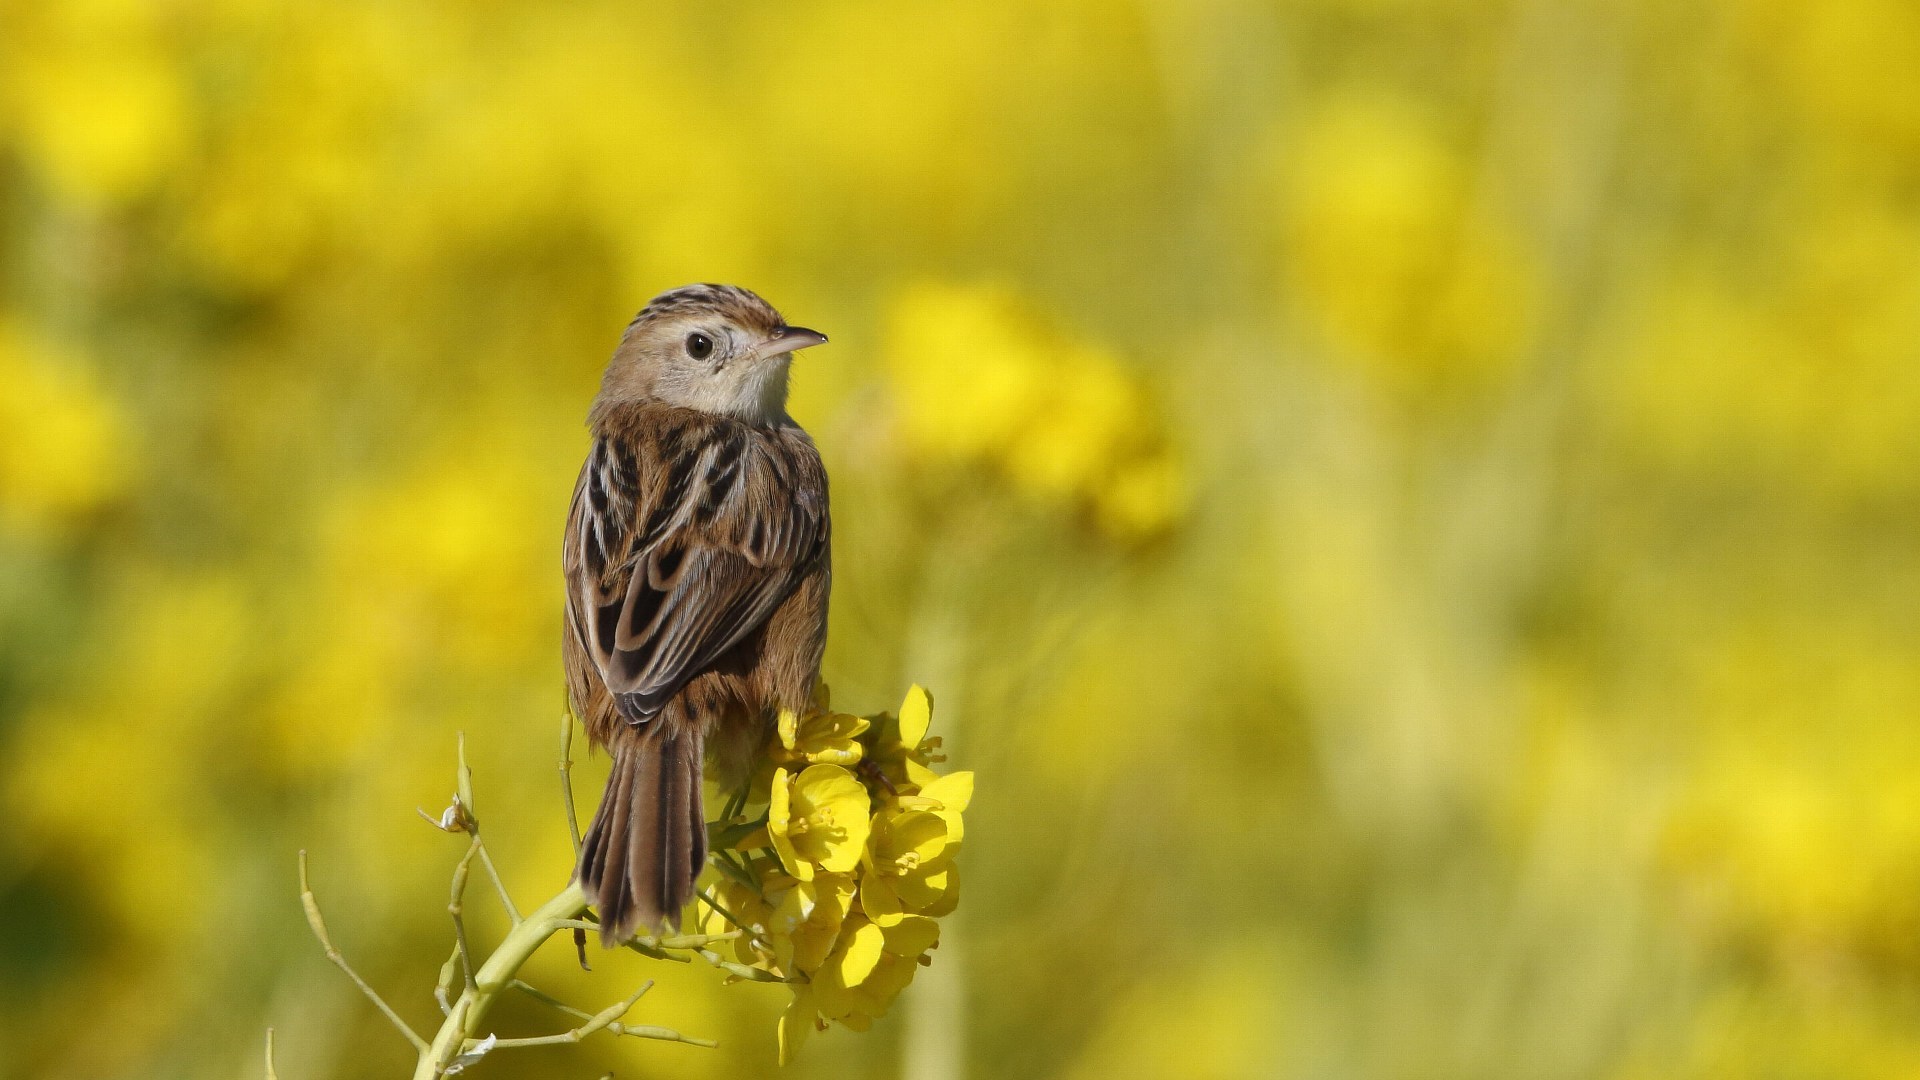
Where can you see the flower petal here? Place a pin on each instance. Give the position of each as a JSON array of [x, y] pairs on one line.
[[921, 890], [954, 790], [808, 920], [832, 792], [779, 813], [916, 715], [912, 936], [862, 951], [880, 900], [948, 882], [919, 832], [848, 726], [918, 775], [796, 1023]]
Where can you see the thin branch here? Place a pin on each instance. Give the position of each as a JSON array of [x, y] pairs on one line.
[[677, 941], [640, 945], [646, 949], [319, 926], [732, 870], [463, 776], [751, 974], [457, 905], [736, 803], [493, 875], [443, 987], [464, 779], [457, 1044], [707, 897], [616, 1028], [495, 975], [271, 1074], [566, 777], [607, 1019], [545, 998], [638, 1031]]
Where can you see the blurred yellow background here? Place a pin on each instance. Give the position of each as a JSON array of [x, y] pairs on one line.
[[1408, 506]]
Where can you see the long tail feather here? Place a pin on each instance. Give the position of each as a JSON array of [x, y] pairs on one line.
[[648, 840]]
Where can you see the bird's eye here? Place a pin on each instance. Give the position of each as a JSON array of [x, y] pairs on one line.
[[699, 346]]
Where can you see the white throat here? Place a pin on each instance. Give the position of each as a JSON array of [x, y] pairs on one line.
[[752, 391], [763, 396], [767, 398]]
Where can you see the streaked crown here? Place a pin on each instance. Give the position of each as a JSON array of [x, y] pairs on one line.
[[742, 307]]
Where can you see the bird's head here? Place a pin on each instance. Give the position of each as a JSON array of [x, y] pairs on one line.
[[715, 348]]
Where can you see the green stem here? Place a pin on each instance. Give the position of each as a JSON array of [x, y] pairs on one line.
[[496, 976]]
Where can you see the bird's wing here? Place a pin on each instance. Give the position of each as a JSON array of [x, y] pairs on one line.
[[681, 543]]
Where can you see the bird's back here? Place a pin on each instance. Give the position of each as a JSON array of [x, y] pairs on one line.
[[663, 488]]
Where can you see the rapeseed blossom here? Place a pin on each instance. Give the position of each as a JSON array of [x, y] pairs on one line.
[[65, 450], [907, 863], [981, 381], [900, 748], [819, 737], [837, 888]]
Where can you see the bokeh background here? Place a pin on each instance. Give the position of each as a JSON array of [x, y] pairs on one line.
[[1408, 506]]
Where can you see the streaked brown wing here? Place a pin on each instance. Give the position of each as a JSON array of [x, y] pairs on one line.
[[681, 543]]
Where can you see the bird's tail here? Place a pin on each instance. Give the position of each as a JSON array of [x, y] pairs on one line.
[[648, 841]]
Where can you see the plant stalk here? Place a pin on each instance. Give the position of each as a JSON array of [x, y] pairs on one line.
[[496, 976]]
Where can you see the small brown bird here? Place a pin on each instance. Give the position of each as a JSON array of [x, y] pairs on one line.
[[697, 575]]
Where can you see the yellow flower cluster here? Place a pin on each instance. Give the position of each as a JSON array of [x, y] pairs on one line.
[[64, 454], [839, 884], [980, 380]]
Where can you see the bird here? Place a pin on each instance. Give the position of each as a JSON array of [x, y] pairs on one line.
[[698, 566]]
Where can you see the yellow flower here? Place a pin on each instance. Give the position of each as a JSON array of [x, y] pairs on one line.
[[65, 451], [819, 738], [817, 820], [947, 796], [1064, 420], [1412, 280], [806, 921], [101, 105], [798, 1021], [906, 862], [845, 962], [869, 967], [899, 747], [755, 915]]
